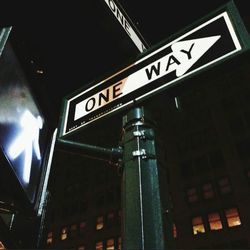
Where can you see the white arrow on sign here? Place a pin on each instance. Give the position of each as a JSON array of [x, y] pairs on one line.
[[184, 54], [26, 141]]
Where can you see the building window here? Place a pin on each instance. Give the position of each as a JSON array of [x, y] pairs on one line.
[[49, 238], [82, 227], [192, 195], [81, 248], [110, 244], [64, 233], [207, 191], [110, 219], [73, 230], [99, 223], [224, 186], [214, 221], [174, 231], [233, 218], [99, 245], [198, 225]]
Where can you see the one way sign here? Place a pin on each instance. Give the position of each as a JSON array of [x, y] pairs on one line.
[[207, 43]]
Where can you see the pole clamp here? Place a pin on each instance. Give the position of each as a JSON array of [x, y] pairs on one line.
[[143, 154], [144, 134]]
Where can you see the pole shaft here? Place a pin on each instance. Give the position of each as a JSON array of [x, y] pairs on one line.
[[142, 220]]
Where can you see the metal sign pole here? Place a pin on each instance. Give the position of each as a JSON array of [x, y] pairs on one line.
[[142, 220]]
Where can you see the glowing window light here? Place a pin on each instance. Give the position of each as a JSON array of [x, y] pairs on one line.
[[50, 238], [99, 245], [110, 244], [64, 233], [233, 218], [214, 221], [99, 223], [174, 231], [26, 141], [198, 226]]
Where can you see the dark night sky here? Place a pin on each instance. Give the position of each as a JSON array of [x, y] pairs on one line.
[[75, 43]]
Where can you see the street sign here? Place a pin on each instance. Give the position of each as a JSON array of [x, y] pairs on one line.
[[209, 42], [127, 24]]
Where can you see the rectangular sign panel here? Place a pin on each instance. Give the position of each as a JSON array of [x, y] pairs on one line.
[[207, 43], [22, 126]]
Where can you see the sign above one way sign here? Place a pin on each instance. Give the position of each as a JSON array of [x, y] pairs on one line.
[[199, 47]]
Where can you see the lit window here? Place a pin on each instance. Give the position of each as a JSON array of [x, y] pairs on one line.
[[214, 221], [49, 238], [224, 186], [233, 218], [99, 245], [99, 223], [64, 233], [110, 244], [198, 226], [192, 195], [119, 243], [174, 231], [81, 248], [208, 192]]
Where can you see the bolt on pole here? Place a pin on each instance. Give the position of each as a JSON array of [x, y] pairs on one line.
[[142, 212]]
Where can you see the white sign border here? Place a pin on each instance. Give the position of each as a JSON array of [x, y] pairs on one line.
[[234, 38]]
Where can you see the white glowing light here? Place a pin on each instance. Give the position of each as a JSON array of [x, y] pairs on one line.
[[26, 141]]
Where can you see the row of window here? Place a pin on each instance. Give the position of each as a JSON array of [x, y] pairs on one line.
[[215, 221], [78, 229], [208, 190], [200, 224], [108, 221], [108, 244]]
